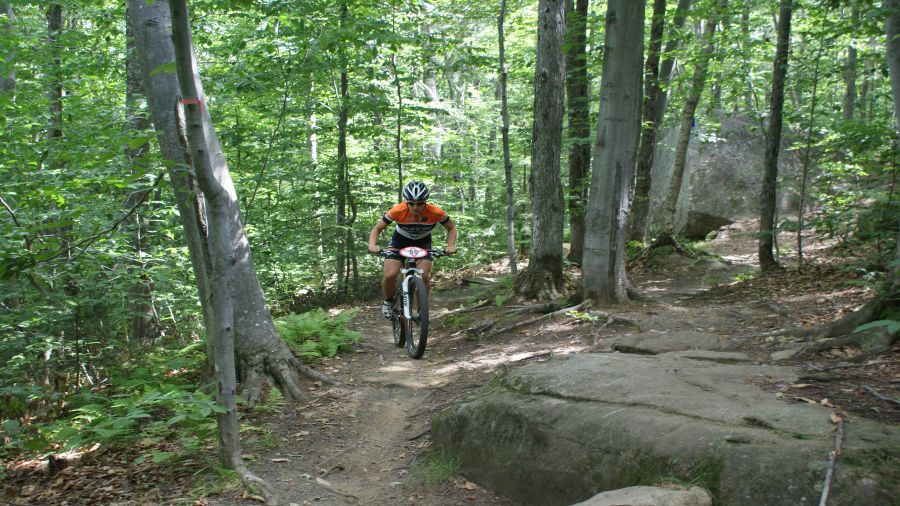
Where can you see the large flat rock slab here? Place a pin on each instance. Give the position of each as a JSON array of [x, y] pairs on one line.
[[652, 343], [559, 432], [650, 496]]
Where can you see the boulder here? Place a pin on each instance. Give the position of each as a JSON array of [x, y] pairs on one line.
[[650, 496], [722, 176], [559, 432]]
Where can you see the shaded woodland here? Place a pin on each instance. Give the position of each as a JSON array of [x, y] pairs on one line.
[[185, 186]]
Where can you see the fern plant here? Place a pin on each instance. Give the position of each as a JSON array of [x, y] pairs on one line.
[[315, 334]]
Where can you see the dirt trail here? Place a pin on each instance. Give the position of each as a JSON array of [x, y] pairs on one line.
[[367, 440]]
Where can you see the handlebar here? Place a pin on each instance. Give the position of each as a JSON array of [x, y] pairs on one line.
[[391, 252]]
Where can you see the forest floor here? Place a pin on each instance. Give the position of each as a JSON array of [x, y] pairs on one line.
[[367, 439]]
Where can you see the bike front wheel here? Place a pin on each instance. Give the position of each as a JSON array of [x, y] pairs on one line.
[[397, 323], [416, 327]]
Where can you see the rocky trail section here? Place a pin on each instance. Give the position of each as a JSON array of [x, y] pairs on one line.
[[559, 432], [685, 370]]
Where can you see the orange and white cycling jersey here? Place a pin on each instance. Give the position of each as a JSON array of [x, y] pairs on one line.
[[415, 227]]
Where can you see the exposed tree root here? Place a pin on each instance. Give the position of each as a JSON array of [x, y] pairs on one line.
[[540, 283], [481, 305], [662, 241], [547, 316], [283, 371], [255, 483], [877, 395], [841, 332]]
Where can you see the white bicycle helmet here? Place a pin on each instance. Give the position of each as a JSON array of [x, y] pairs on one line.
[[415, 191]]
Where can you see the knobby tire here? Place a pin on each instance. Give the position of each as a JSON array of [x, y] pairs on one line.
[[416, 328], [397, 324]]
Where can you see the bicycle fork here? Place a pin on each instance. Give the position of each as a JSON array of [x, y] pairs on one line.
[[407, 275]]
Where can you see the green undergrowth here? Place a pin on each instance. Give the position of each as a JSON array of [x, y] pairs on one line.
[[436, 466], [315, 334], [155, 405], [498, 293]]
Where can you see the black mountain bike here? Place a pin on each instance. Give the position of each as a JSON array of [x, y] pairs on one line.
[[409, 317]]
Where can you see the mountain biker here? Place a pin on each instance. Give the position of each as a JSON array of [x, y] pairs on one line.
[[415, 219]]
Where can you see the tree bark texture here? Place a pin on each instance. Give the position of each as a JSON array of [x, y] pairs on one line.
[[543, 279], [261, 355], [578, 87], [849, 105], [504, 130], [667, 230], [653, 110], [612, 174], [773, 140], [225, 246], [144, 320]]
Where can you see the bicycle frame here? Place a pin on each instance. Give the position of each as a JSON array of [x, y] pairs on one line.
[[411, 328]]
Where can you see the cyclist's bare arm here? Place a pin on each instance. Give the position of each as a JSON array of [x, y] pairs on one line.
[[451, 236], [380, 225]]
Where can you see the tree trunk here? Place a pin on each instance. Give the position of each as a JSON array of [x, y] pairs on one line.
[[618, 131], [850, 70], [893, 57], [654, 108], [507, 164], [7, 81], [578, 98], [144, 320], [667, 229], [543, 279], [262, 357], [225, 249], [773, 141], [341, 189]]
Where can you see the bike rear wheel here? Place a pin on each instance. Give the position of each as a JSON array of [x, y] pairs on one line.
[[416, 327]]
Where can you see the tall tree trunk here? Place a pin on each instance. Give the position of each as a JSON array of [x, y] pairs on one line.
[[667, 229], [893, 57], [578, 87], [654, 108], [767, 206], [868, 76], [504, 130], [543, 278], [850, 70], [262, 357], [804, 176], [144, 320], [227, 244], [612, 175], [8, 79], [341, 189]]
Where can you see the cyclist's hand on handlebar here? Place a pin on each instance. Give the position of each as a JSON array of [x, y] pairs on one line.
[[374, 250], [450, 251]]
